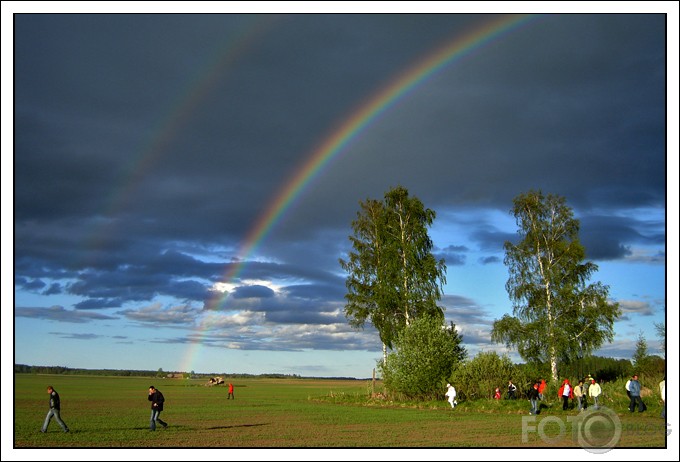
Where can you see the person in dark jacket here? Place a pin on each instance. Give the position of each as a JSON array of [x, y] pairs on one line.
[[157, 399], [533, 397], [55, 410]]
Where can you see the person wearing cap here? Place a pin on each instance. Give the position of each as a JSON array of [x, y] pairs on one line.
[[594, 391], [451, 394]]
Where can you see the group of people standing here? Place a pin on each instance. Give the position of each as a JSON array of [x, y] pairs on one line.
[[579, 394], [587, 390]]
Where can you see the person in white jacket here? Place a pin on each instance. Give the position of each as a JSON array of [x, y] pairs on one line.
[[594, 391], [662, 391], [451, 394]]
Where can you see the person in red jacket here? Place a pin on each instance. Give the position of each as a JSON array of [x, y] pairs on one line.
[[566, 393], [231, 391], [541, 389], [498, 394]]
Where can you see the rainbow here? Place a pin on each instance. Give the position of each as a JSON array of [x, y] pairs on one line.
[[358, 121], [342, 135]]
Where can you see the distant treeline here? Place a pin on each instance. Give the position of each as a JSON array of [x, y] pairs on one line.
[[607, 369], [25, 369], [611, 369]]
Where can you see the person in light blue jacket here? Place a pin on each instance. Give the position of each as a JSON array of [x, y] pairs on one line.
[[635, 400]]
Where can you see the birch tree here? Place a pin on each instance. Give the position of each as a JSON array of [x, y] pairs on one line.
[[393, 277], [557, 314]]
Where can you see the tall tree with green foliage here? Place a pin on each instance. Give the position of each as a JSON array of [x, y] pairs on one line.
[[557, 314], [660, 329], [641, 352], [393, 277]]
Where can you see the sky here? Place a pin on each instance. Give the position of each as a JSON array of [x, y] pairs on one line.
[[184, 184]]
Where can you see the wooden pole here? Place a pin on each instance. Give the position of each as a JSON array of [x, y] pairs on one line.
[[373, 384]]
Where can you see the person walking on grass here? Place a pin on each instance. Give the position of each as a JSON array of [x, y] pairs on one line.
[[55, 410], [662, 392], [512, 389], [541, 389], [594, 391], [451, 394], [578, 394], [533, 397], [231, 391], [635, 400], [565, 392], [157, 399]]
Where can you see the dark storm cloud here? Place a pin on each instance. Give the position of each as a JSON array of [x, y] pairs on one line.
[[489, 260], [463, 310], [491, 239], [77, 336], [99, 303], [304, 317], [610, 238], [253, 291], [605, 237], [147, 147], [625, 349], [53, 289], [635, 307], [452, 255], [183, 315], [286, 338], [286, 309], [477, 338], [332, 291], [59, 313], [29, 284]]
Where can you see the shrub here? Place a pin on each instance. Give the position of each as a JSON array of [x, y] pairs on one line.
[[479, 377], [425, 354]]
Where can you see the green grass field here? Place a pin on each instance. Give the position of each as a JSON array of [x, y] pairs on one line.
[[113, 412]]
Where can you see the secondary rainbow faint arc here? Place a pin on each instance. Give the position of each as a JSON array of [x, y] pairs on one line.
[[355, 124], [220, 61]]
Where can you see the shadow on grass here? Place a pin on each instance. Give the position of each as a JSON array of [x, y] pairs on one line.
[[235, 426]]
